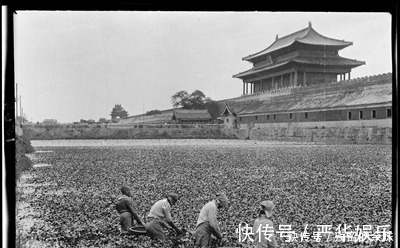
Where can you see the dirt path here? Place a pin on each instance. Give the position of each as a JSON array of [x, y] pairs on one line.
[[25, 215]]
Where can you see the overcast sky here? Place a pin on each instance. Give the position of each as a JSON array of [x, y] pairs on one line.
[[77, 65]]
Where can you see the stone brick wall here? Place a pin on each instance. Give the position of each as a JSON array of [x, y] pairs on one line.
[[375, 135], [359, 135], [40, 132]]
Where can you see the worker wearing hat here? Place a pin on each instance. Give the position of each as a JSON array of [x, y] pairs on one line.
[[124, 207], [263, 227], [159, 215], [207, 223]]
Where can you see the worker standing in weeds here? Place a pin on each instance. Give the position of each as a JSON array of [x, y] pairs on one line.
[[207, 223], [159, 216], [124, 207], [263, 227]]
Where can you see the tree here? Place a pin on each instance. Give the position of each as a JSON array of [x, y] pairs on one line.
[[102, 120], [213, 108], [182, 99], [197, 99]]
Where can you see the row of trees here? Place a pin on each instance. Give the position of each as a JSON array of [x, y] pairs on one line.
[[196, 100]]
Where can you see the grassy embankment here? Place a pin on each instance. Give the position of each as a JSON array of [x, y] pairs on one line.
[[22, 164]]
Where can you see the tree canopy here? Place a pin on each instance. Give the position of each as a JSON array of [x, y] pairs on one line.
[[182, 99]]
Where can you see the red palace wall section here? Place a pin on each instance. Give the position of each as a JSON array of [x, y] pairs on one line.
[[314, 116]]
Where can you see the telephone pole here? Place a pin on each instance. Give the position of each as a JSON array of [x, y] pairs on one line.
[[20, 105], [16, 100]]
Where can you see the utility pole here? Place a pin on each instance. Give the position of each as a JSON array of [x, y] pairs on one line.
[[16, 100], [20, 105]]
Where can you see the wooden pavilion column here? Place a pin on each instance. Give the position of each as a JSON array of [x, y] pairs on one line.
[[349, 75], [305, 77], [295, 78], [244, 87], [273, 84]]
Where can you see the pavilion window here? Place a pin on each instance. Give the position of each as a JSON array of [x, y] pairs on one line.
[[306, 115], [274, 116], [360, 115], [267, 117], [388, 113], [290, 116], [349, 115], [373, 114]]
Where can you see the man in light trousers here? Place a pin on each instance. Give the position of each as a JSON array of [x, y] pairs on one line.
[[159, 216], [207, 223]]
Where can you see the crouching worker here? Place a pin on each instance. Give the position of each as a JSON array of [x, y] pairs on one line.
[[264, 230], [207, 223], [159, 216], [124, 207]]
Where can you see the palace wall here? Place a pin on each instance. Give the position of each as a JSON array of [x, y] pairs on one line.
[[49, 132], [361, 116], [350, 111], [299, 132], [334, 135]]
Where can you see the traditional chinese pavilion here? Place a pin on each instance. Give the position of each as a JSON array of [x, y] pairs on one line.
[[301, 58], [118, 112]]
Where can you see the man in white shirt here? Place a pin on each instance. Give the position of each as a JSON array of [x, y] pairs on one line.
[[159, 215], [207, 223]]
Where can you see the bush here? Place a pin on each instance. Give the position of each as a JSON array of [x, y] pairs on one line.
[[22, 162], [23, 145]]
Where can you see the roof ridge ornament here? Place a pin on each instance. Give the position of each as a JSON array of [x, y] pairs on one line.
[[276, 37], [309, 24]]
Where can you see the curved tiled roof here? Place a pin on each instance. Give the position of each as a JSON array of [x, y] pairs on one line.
[[305, 36], [304, 60], [148, 119], [329, 61], [260, 69], [192, 114]]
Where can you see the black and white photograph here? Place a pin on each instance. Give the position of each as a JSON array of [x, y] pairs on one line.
[[197, 129]]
